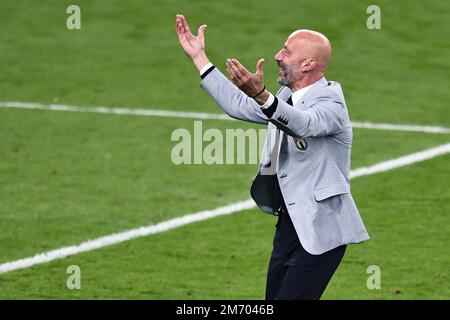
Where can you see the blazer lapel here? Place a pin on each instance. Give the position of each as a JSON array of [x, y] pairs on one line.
[[322, 82], [284, 93], [275, 135]]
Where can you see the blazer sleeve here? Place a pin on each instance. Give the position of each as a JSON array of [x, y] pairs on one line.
[[231, 99], [325, 116]]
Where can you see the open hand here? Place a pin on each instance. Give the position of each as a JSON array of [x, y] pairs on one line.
[[192, 45], [250, 83]]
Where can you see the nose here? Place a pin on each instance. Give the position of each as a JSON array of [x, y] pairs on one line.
[[278, 56]]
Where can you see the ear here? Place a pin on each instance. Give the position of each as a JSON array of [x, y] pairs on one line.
[[309, 64]]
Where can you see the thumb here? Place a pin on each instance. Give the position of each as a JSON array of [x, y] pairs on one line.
[[201, 31], [259, 66]]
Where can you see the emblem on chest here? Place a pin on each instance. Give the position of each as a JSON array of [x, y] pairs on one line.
[[301, 143]]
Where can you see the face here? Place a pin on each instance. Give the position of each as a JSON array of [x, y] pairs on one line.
[[290, 60]]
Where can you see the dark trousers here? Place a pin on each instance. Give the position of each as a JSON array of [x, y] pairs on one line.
[[293, 272]]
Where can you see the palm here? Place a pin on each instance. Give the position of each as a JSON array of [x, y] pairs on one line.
[[191, 44]]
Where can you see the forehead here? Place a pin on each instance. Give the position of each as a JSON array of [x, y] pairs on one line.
[[294, 42]]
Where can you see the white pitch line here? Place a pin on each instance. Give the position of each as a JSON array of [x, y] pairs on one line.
[[201, 115], [401, 162], [116, 110], [120, 237], [399, 127]]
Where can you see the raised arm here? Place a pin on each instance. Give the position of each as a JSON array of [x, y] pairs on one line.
[[233, 101]]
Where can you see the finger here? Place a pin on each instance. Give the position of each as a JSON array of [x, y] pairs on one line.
[[201, 32], [182, 36], [230, 70], [185, 32], [235, 69], [184, 24], [180, 27], [231, 74], [242, 70], [259, 67], [179, 23]]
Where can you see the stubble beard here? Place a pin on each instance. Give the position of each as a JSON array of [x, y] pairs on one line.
[[287, 76]]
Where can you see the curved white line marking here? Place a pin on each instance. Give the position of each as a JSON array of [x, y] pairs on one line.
[[200, 216]]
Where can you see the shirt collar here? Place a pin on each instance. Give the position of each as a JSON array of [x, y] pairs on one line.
[[297, 95]]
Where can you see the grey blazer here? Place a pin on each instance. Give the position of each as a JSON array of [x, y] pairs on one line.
[[308, 148]]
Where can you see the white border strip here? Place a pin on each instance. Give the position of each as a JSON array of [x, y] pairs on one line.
[[120, 237], [200, 115]]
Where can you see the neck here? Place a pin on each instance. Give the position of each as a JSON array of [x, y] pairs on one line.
[[306, 81]]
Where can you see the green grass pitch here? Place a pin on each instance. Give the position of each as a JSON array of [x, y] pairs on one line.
[[69, 177]]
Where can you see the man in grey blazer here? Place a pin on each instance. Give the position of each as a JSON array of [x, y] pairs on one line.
[[303, 177]]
